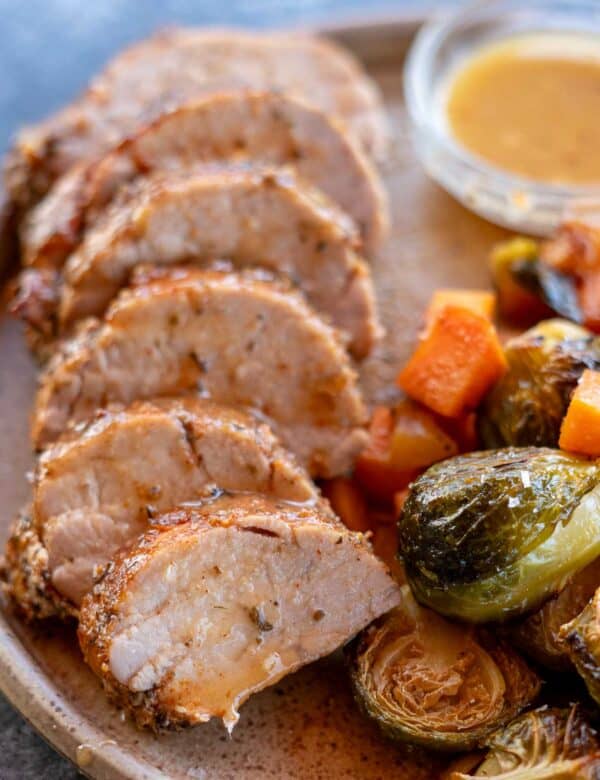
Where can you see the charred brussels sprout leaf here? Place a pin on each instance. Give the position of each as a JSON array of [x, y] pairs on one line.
[[527, 405], [582, 638], [429, 682], [538, 635], [492, 534], [546, 744]]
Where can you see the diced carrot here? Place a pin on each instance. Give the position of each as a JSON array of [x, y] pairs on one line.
[[385, 545], [479, 301], [516, 304], [589, 300], [347, 502], [573, 249], [399, 500], [417, 440], [374, 472], [580, 430], [456, 364]]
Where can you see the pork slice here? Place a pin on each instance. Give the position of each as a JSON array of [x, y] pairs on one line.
[[233, 126], [254, 217], [223, 602], [170, 68], [97, 489], [240, 339]]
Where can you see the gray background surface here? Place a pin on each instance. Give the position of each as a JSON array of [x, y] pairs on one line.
[[48, 51]]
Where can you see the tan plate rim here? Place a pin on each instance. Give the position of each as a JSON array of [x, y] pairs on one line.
[[22, 680]]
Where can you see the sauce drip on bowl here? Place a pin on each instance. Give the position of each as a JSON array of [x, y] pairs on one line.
[[531, 105]]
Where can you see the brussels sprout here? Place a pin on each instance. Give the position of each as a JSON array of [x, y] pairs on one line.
[[557, 290], [491, 535], [431, 683], [527, 405], [546, 744], [538, 635], [582, 638]]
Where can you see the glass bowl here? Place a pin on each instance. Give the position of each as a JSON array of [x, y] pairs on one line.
[[439, 48]]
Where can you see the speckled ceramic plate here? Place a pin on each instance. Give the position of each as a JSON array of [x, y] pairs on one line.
[[307, 726]]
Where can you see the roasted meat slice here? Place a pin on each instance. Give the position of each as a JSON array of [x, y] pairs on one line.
[[239, 338], [100, 487], [222, 601], [254, 217], [235, 126], [172, 67]]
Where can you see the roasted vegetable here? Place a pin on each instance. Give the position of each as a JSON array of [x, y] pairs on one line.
[[347, 502], [455, 364], [493, 534], [557, 290], [527, 405], [375, 471], [580, 430], [480, 302], [538, 635], [516, 303], [582, 638], [545, 744], [403, 441], [429, 682]]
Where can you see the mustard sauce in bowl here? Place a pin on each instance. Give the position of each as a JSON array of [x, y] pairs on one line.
[[503, 101], [531, 105]]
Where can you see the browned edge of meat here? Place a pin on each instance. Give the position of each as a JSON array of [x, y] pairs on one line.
[[271, 585], [99, 487], [239, 338], [184, 63], [254, 216]]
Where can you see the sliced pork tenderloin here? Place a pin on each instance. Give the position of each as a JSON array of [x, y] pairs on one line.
[[223, 601], [100, 487], [241, 339], [170, 68], [253, 217], [234, 126]]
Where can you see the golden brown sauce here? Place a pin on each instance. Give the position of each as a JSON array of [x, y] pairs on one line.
[[531, 105]]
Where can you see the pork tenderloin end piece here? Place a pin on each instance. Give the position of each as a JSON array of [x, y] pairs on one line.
[[239, 339], [223, 602]]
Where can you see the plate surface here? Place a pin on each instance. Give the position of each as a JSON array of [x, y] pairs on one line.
[[306, 727]]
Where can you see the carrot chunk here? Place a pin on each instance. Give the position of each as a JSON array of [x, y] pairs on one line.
[[580, 430], [347, 502], [456, 364], [479, 301]]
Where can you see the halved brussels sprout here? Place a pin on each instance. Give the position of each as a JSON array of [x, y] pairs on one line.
[[429, 682], [527, 405], [490, 535], [546, 744], [538, 635], [582, 638]]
